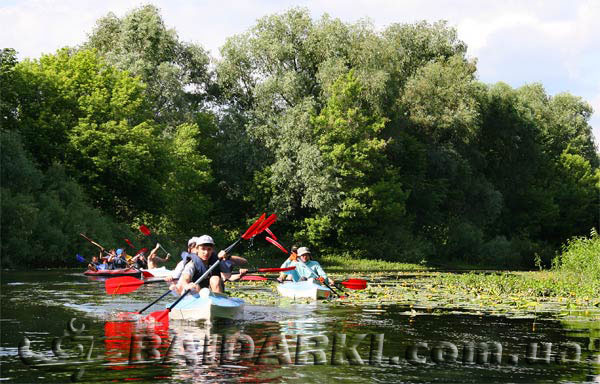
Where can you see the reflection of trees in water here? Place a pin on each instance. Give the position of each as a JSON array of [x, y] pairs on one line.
[[586, 326], [195, 352]]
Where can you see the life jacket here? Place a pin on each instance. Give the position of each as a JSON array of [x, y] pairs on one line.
[[200, 268], [119, 263], [293, 256]]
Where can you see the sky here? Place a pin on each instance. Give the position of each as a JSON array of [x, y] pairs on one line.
[[556, 43]]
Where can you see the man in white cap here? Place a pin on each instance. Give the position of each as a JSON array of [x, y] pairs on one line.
[[201, 261], [308, 268]]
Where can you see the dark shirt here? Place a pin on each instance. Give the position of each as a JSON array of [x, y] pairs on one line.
[[199, 268]]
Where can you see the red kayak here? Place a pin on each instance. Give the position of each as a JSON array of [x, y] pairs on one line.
[[114, 273]]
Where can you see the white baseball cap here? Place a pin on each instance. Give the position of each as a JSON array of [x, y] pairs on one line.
[[192, 240], [204, 239], [303, 251]]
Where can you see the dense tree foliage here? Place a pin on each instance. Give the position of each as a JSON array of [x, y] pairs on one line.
[[377, 144]]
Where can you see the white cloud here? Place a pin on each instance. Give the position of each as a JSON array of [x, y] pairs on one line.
[[553, 42]]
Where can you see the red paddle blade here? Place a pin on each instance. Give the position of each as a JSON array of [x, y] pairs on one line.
[[147, 274], [265, 224], [144, 230], [355, 284], [267, 270], [271, 233], [144, 250], [250, 231], [276, 244], [160, 316], [253, 278], [129, 243], [122, 285]]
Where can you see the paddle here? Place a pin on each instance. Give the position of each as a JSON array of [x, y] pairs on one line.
[[94, 243], [129, 243], [267, 270], [350, 284], [146, 232], [250, 232], [355, 284], [257, 278], [128, 284], [125, 284], [259, 225], [160, 315], [323, 280], [275, 243]]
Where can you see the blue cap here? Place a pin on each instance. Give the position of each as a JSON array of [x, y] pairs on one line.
[[119, 251]]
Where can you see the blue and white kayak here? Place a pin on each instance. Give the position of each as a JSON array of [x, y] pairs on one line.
[[207, 306], [303, 289]]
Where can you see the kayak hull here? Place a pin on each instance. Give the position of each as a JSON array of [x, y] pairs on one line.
[[303, 289], [114, 273], [159, 272], [208, 306]]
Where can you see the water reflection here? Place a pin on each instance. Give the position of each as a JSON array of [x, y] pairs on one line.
[[254, 348]]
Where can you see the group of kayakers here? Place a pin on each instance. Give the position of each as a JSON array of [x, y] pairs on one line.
[[119, 259], [201, 255], [198, 259]]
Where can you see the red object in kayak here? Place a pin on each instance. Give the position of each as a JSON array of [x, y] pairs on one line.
[[114, 273]]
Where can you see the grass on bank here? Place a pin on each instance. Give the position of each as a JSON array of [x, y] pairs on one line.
[[334, 263], [575, 273]]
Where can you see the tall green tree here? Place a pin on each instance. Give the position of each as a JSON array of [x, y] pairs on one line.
[[176, 73], [43, 212], [93, 118]]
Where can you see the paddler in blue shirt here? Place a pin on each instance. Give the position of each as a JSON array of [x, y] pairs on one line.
[[308, 268]]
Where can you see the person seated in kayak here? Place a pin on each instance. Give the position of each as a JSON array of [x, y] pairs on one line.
[[118, 260], [201, 260], [185, 257], [308, 268], [109, 260], [139, 260], [291, 261], [94, 265], [153, 258]]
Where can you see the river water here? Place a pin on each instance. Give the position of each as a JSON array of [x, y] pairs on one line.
[[60, 326]]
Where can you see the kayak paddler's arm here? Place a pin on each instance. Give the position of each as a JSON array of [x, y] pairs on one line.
[[233, 277], [320, 271], [238, 260]]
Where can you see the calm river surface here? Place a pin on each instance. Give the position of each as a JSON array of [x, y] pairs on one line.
[[50, 308]]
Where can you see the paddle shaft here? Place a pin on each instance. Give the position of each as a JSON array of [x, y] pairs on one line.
[[94, 243], [159, 244], [324, 279], [154, 302], [267, 270], [204, 275], [228, 249]]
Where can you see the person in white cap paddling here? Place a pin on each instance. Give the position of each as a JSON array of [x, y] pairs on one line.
[[308, 268], [202, 257]]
